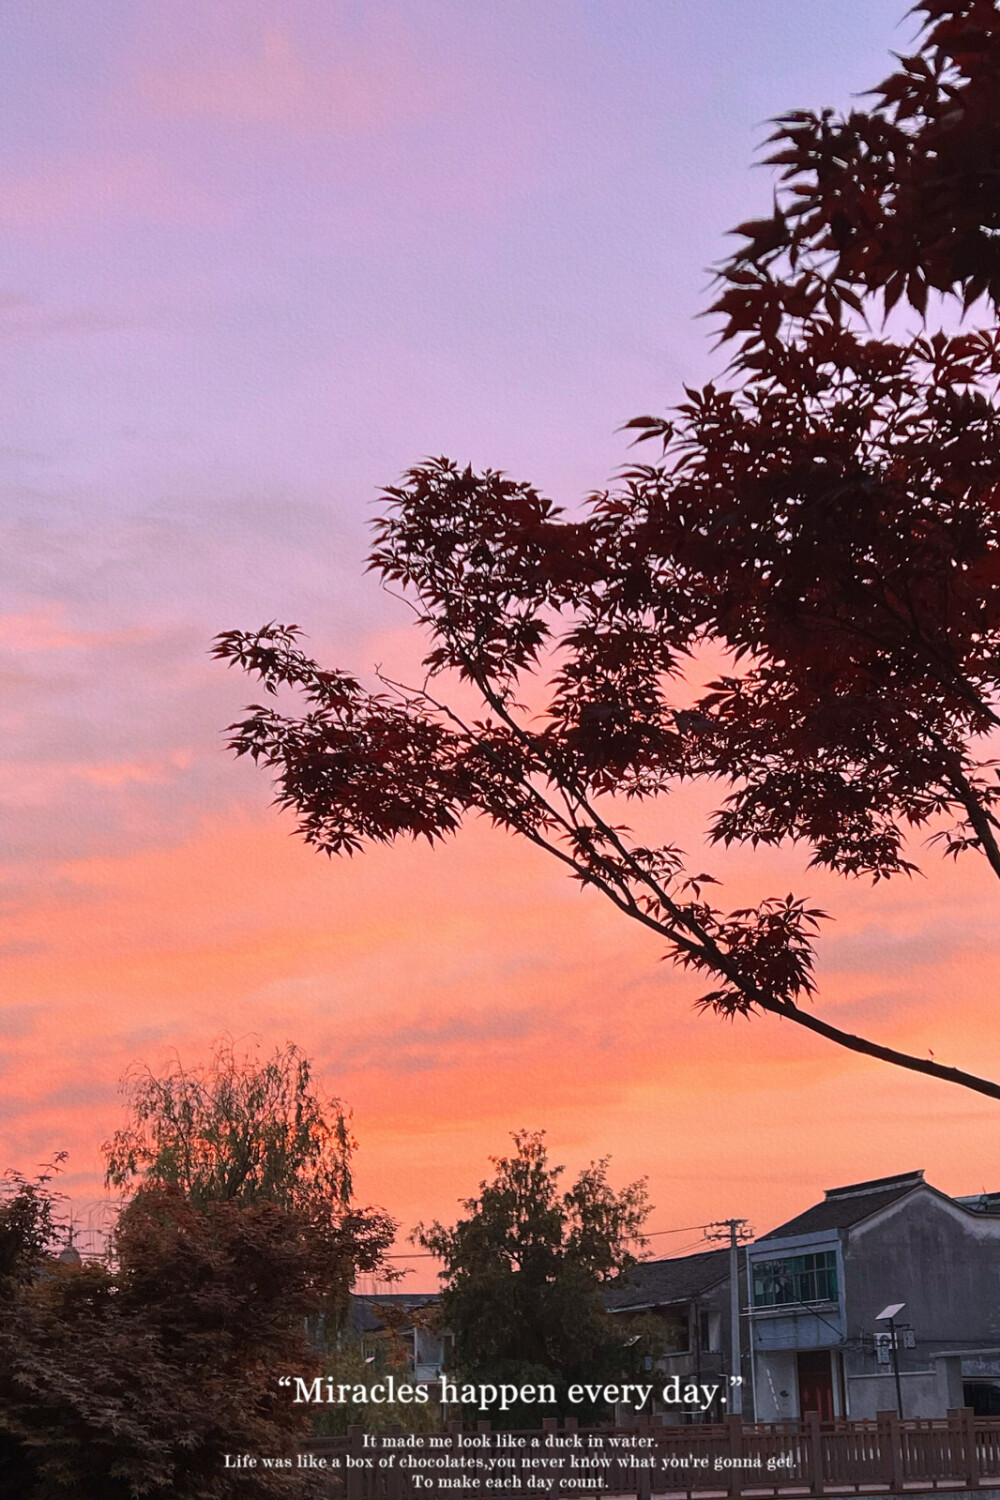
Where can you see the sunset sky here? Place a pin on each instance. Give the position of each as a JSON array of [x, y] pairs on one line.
[[259, 258]]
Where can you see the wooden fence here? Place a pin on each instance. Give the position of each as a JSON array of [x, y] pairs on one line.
[[788, 1459]]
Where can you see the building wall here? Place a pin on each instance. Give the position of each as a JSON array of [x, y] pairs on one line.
[[779, 1333], [698, 1362], [944, 1264], [777, 1385], [940, 1260], [922, 1392], [792, 1326]]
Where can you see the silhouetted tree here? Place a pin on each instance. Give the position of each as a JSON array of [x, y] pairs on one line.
[[137, 1375], [137, 1379], [524, 1275], [829, 521], [236, 1128]]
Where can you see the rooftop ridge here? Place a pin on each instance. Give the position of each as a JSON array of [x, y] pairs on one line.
[[877, 1185]]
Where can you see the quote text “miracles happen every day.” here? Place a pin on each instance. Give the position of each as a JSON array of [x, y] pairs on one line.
[[688, 1395]]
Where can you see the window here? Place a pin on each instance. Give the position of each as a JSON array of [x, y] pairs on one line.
[[674, 1334], [796, 1279], [710, 1332]]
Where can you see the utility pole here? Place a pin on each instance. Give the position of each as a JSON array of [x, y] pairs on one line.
[[735, 1231]]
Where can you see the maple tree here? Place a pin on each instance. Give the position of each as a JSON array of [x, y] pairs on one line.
[[137, 1374], [137, 1377], [827, 521], [524, 1272]]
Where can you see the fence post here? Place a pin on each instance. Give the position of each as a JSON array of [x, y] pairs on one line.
[[551, 1425], [355, 1474], [644, 1481], [972, 1470], [734, 1426], [814, 1447], [891, 1444]]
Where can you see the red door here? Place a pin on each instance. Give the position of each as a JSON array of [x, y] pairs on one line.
[[816, 1383]]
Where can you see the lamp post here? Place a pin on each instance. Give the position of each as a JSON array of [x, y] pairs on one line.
[[889, 1315]]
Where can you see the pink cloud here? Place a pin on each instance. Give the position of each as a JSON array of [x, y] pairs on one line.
[[46, 630], [70, 190], [37, 783], [272, 81]]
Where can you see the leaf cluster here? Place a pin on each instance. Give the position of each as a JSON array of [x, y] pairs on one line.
[[29, 1223], [898, 201]]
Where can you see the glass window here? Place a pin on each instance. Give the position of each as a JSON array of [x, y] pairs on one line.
[[710, 1332], [795, 1279], [674, 1332]]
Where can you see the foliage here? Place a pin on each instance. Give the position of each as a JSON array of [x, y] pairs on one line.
[[348, 1363], [137, 1381], [828, 524], [28, 1225], [524, 1271], [899, 200], [244, 1131], [238, 1129], [135, 1377]]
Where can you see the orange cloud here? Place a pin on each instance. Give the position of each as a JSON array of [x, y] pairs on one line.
[[453, 995]]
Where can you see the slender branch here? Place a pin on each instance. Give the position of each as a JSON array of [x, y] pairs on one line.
[[709, 949], [611, 881], [568, 785], [860, 1044], [980, 819], [678, 926]]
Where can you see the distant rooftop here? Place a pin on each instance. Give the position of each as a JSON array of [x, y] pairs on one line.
[[981, 1203], [364, 1316], [657, 1283]]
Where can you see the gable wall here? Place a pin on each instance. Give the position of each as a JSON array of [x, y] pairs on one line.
[[943, 1262]]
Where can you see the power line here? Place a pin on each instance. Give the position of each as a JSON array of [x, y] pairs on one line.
[[649, 1234], [686, 1249]]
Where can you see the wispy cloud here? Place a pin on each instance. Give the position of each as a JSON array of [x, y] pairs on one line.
[[48, 630], [271, 80], [64, 190]]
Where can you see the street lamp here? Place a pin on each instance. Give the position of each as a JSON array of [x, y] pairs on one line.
[[889, 1315]]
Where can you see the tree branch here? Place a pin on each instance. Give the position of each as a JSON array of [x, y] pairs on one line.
[[860, 1044]]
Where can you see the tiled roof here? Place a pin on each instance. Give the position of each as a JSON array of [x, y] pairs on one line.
[[844, 1206], [364, 1310], [655, 1283]]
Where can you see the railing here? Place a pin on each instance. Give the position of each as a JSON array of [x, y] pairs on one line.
[[884, 1456]]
